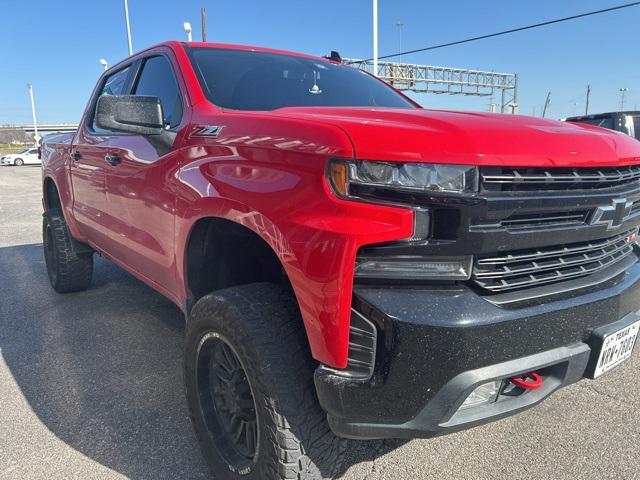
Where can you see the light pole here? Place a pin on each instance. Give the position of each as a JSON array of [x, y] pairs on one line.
[[400, 24], [33, 112], [375, 37], [187, 29], [547, 102], [126, 19], [623, 91], [105, 64], [203, 21]]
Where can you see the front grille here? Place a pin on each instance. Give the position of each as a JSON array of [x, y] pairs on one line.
[[521, 179], [539, 220], [533, 267]]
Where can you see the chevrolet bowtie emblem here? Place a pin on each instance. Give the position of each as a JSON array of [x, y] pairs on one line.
[[612, 215]]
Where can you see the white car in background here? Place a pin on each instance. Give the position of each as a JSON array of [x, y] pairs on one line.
[[26, 157]]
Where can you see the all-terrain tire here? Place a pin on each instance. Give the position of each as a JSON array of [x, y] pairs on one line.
[[262, 326], [68, 269]]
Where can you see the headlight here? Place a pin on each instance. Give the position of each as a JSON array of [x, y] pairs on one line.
[[351, 178]]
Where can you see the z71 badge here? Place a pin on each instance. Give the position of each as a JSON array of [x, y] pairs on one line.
[[211, 131]]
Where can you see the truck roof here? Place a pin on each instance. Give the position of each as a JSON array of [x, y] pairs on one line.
[[173, 44], [251, 48]]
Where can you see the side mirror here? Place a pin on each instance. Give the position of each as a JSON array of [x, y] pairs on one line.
[[130, 114]]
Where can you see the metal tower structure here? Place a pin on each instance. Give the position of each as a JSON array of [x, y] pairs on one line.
[[446, 80]]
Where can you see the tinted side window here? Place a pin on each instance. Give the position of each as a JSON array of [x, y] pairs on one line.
[[115, 84], [157, 80]]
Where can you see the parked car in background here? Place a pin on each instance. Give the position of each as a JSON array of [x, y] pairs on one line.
[[26, 157], [625, 122]]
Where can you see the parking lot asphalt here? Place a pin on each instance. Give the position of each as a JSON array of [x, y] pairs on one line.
[[91, 387]]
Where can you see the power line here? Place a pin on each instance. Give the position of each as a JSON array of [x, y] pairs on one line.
[[507, 32]]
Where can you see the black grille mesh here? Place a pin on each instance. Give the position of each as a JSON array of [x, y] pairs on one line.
[[533, 267]]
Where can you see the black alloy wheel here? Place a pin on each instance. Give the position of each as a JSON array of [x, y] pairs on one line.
[[226, 401]]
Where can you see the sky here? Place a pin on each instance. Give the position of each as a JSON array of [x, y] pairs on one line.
[[56, 45]]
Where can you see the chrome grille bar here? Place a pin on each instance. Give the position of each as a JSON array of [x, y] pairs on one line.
[[573, 178]]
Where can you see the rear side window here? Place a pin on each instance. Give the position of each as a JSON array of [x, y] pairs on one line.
[[157, 80], [115, 84]]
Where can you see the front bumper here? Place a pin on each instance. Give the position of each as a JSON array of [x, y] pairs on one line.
[[436, 345]]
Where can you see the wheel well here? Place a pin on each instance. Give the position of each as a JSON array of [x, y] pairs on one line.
[[52, 197], [221, 253]]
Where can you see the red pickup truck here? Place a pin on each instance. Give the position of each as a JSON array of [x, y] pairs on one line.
[[350, 265]]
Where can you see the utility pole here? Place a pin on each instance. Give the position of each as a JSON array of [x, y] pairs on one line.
[[400, 24], [33, 113], [126, 19], [203, 18], [586, 110], [622, 93], [375, 37], [546, 105]]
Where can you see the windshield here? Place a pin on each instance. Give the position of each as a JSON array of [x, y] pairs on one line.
[[23, 152], [248, 80]]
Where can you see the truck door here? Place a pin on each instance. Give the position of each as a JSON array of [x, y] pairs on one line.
[[87, 165], [140, 204]]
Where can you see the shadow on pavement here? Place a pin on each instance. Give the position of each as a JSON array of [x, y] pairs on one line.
[[102, 369]]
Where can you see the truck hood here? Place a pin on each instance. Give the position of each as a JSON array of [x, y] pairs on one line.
[[473, 138]]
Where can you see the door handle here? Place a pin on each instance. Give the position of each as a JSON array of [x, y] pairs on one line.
[[112, 159], [75, 155]]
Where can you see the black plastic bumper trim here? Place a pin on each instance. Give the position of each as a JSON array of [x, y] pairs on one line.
[[441, 415]]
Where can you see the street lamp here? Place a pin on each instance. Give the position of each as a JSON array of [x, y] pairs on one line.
[[622, 93], [187, 29], [375, 37], [126, 20], [104, 63], [400, 24], [33, 113]]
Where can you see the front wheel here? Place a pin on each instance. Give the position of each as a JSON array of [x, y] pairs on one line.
[[250, 391], [18, 162]]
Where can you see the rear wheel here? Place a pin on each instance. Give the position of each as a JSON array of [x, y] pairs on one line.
[[249, 382], [18, 162], [68, 270]]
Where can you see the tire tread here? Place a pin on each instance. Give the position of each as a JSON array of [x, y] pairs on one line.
[[74, 270]]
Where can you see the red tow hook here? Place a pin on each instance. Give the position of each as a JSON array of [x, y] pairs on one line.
[[528, 381]]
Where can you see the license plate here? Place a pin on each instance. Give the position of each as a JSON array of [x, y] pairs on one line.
[[616, 348]]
